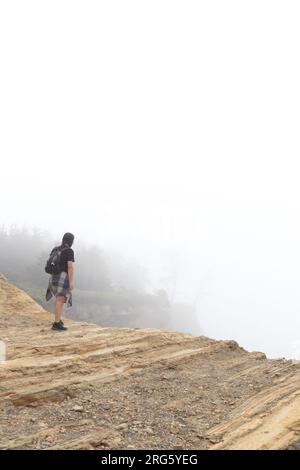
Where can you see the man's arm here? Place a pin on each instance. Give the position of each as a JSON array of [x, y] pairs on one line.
[[71, 274]]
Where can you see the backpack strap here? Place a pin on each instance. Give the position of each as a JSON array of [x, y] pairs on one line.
[[63, 247]]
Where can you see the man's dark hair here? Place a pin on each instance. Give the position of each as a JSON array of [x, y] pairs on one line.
[[68, 239]]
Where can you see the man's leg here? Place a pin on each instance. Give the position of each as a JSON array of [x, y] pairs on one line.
[[58, 310]]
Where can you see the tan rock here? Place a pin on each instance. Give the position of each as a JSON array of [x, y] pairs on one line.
[[139, 387]]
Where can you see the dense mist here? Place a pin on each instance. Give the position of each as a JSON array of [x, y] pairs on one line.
[[111, 290], [165, 134]]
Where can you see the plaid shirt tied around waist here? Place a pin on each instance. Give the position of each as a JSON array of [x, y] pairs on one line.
[[59, 285]]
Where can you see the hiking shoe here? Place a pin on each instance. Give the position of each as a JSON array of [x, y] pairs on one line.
[[59, 326]]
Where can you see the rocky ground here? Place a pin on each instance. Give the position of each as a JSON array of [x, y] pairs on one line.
[[110, 388]]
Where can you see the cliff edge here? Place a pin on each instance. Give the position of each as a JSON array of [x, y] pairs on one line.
[[102, 388]]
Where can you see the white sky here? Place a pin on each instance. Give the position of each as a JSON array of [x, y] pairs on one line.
[[168, 130]]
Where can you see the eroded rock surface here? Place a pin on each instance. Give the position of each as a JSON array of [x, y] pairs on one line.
[[101, 388]]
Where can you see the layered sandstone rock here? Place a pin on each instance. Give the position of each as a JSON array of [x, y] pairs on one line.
[[101, 388]]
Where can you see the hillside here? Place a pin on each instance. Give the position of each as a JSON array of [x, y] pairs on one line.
[[100, 388]]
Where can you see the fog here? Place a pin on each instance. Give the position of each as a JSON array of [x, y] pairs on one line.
[[167, 131]]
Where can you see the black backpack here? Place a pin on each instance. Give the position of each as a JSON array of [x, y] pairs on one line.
[[53, 262]]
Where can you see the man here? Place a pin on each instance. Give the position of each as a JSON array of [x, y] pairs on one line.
[[61, 284]]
